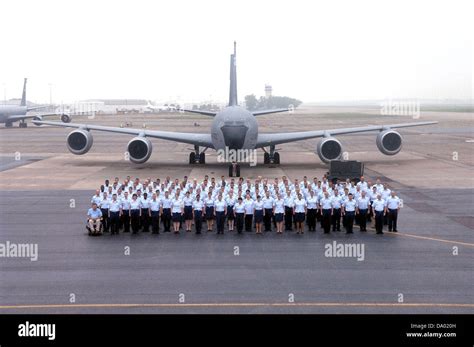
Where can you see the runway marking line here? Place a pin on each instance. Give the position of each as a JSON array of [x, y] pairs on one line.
[[431, 239], [243, 304]]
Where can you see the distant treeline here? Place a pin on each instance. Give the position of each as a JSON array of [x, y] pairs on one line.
[[268, 103]]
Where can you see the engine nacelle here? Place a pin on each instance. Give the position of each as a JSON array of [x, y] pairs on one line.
[[389, 142], [139, 149], [329, 148], [65, 118], [79, 141], [38, 118]]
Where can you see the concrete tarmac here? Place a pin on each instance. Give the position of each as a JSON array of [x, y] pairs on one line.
[[427, 267]]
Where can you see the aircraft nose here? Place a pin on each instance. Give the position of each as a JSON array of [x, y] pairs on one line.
[[234, 135]]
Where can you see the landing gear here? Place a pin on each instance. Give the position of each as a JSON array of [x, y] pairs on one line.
[[234, 170], [197, 157], [192, 158], [8, 124], [22, 124], [271, 157], [202, 158]]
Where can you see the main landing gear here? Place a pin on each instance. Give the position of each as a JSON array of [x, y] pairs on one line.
[[271, 157], [234, 170], [23, 124], [197, 157]]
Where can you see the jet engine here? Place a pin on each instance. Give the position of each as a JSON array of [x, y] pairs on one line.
[[139, 149], [329, 148], [38, 118], [66, 118], [389, 142], [79, 141]]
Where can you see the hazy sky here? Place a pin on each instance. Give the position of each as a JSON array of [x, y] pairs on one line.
[[162, 50]]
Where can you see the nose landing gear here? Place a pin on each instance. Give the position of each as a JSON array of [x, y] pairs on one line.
[[234, 170]]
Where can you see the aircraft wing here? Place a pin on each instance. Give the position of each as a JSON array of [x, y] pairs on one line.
[[203, 140], [275, 110], [265, 140], [15, 118], [203, 112], [37, 107]]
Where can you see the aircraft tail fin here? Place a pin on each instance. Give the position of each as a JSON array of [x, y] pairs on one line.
[[23, 96], [233, 78]]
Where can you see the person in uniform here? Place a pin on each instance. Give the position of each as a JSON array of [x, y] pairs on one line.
[[258, 213], [209, 212], [220, 211], [198, 206], [230, 200], [177, 211], [279, 213], [378, 206], [188, 211], [166, 211], [114, 214], [145, 212], [94, 220], [300, 213], [268, 207], [312, 207], [289, 204], [135, 213], [155, 207], [104, 208], [239, 213], [125, 213], [348, 212], [249, 209], [97, 197], [363, 204], [336, 211], [325, 205], [392, 208]]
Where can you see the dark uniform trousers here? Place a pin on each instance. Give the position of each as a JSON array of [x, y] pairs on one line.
[[145, 220], [166, 219], [155, 222], [267, 219], [114, 222], [363, 219], [336, 219], [239, 221], [326, 220], [198, 221], [378, 221], [248, 222], [288, 218], [105, 219], [392, 219], [311, 219], [135, 220], [126, 221], [220, 221], [349, 218]]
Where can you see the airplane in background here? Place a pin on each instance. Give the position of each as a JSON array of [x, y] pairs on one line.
[[14, 113], [234, 128]]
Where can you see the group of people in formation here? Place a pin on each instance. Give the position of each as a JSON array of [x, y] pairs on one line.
[[244, 205]]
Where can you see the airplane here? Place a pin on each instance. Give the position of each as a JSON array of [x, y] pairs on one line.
[[14, 113], [234, 128]]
